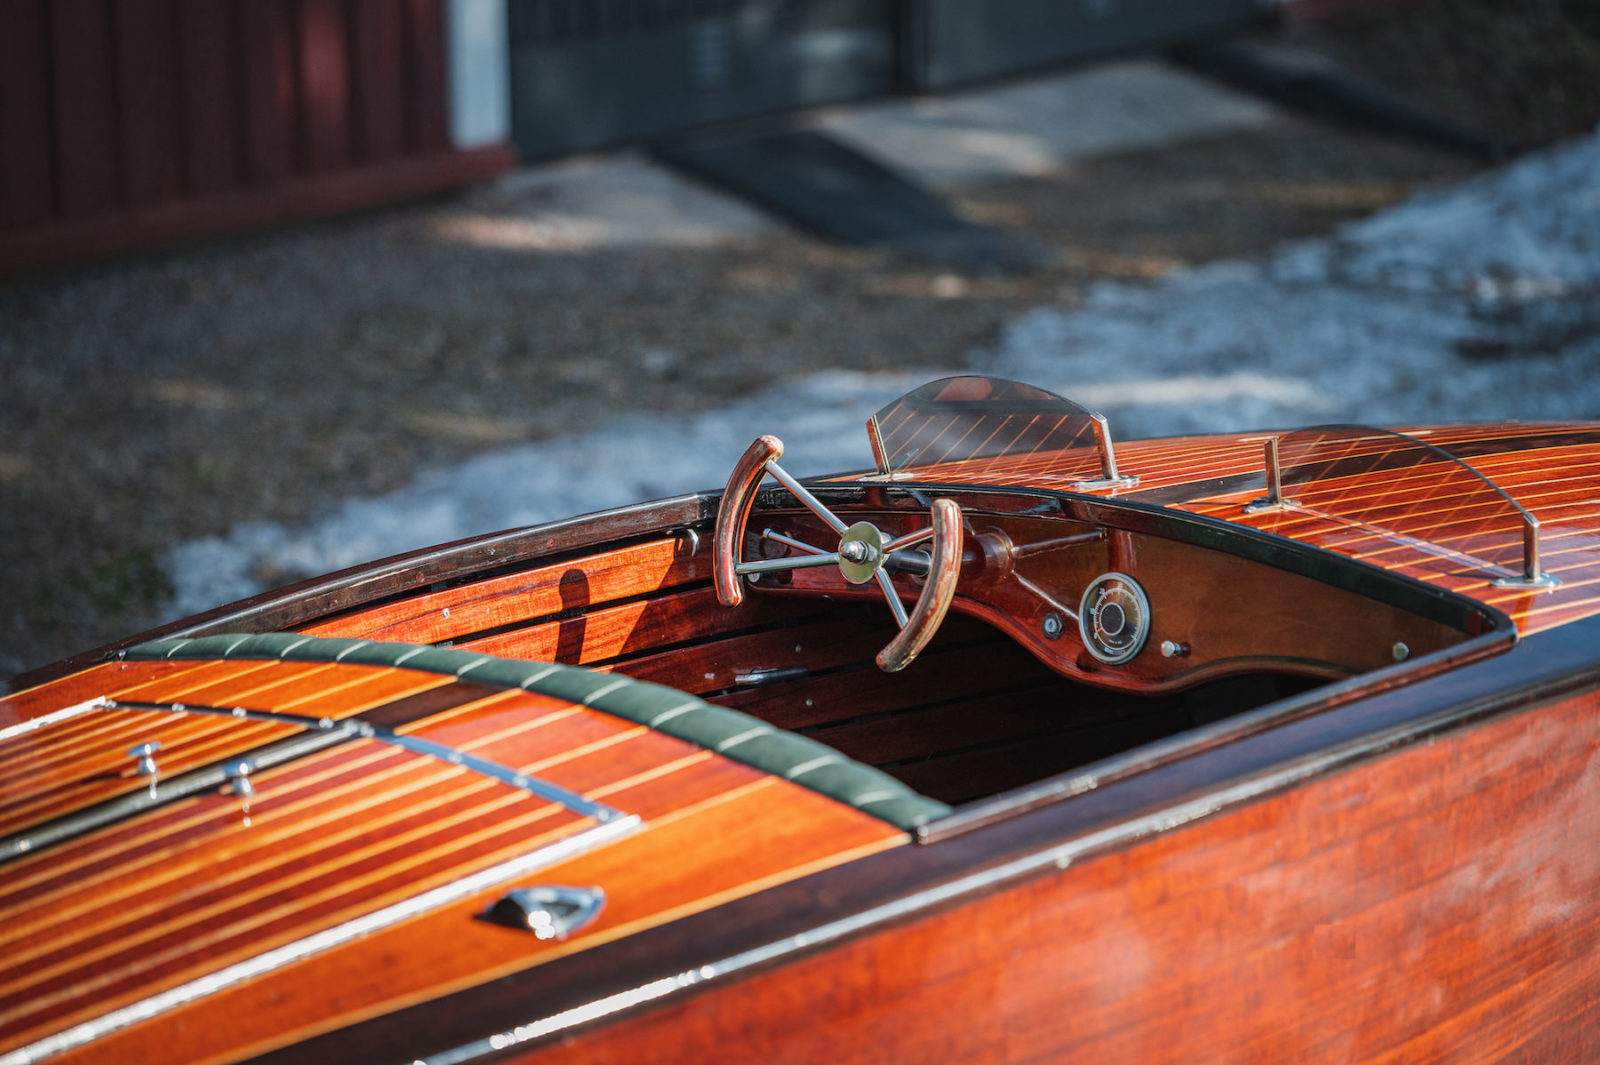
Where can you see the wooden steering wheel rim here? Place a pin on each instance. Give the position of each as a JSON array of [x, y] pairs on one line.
[[939, 587], [937, 593], [734, 511]]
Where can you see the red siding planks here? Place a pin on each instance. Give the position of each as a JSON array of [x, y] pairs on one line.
[[206, 60], [147, 99], [377, 45], [269, 88], [429, 127], [132, 122], [27, 173], [82, 64], [324, 85]]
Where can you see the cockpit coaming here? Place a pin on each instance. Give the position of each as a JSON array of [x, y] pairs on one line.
[[1150, 621]]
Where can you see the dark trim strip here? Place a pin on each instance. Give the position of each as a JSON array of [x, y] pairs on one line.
[[1425, 600], [729, 733]]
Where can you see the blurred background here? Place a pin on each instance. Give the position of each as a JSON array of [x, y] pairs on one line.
[[290, 284]]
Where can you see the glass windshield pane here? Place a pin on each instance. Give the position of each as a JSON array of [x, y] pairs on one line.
[[971, 419], [1403, 490]]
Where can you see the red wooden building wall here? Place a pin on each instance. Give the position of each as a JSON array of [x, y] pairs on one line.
[[126, 123]]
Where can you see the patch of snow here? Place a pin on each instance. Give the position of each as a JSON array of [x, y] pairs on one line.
[[648, 456], [1476, 303]]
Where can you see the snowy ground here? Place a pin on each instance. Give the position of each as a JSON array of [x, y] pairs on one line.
[[1480, 302]]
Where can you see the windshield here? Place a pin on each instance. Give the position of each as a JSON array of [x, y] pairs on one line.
[[1408, 492], [1380, 489], [960, 422]]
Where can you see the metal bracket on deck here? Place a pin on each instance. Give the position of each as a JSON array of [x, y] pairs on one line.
[[1273, 500], [1109, 477], [1532, 576]]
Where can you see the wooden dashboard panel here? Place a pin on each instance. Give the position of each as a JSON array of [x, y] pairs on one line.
[[1211, 613]]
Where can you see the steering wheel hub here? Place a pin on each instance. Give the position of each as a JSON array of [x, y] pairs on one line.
[[860, 552]]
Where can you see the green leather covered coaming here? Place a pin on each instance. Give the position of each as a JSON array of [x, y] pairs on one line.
[[686, 717]]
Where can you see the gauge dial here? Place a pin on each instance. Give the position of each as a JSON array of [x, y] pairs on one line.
[[1114, 617]]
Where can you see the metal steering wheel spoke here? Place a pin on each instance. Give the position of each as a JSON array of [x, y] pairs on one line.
[[789, 541], [811, 502], [895, 607], [911, 539], [863, 554], [780, 565]]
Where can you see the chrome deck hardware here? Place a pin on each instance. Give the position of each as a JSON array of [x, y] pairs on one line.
[[1273, 500], [238, 774], [145, 755], [549, 911], [1109, 477]]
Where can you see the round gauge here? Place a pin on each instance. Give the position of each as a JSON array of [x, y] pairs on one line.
[[1114, 617]]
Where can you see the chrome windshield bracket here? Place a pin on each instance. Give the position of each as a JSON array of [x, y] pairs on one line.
[[1109, 477], [1273, 500], [1531, 576]]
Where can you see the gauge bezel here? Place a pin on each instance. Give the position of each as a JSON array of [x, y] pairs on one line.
[[1091, 642]]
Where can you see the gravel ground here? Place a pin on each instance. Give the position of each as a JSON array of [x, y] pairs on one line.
[[1526, 72], [155, 401], [1479, 301]]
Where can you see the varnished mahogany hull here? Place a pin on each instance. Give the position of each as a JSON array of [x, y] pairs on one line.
[[1350, 818], [1439, 905], [1428, 893]]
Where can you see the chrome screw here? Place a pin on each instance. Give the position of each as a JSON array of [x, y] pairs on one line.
[[145, 753], [1053, 626], [238, 775]]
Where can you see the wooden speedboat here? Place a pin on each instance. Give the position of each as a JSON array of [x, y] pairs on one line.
[[1281, 747]]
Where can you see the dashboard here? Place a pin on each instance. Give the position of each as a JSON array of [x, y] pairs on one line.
[[1120, 600]]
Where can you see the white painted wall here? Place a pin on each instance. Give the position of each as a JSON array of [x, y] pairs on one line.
[[480, 81]]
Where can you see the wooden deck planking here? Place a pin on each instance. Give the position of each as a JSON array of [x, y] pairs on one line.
[[780, 832], [97, 766], [420, 821]]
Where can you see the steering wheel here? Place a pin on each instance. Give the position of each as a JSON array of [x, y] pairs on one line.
[[863, 553]]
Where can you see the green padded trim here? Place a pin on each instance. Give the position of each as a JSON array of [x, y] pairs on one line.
[[686, 717]]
